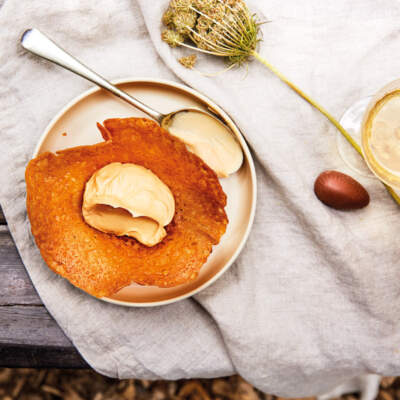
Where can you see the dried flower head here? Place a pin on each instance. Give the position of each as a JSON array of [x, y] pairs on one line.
[[220, 27], [188, 61]]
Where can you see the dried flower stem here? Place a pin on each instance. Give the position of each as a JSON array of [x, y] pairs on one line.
[[330, 117], [310, 100]]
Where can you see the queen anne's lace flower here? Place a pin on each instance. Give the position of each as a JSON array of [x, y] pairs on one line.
[[220, 27]]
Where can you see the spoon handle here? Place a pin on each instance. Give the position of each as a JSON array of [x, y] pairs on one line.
[[37, 43]]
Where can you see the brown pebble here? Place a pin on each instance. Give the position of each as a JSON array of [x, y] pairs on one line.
[[340, 191]]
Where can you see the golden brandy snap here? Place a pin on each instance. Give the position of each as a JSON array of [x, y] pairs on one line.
[[103, 263]]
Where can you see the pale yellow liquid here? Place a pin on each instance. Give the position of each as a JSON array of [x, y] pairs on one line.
[[381, 138], [385, 133]]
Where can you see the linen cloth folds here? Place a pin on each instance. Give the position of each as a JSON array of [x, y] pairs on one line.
[[314, 298]]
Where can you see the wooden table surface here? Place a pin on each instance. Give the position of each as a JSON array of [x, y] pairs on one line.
[[29, 336]]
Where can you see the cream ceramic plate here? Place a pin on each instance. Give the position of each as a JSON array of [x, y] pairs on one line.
[[78, 119]]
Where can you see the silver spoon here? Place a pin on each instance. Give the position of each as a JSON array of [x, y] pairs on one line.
[[37, 43]]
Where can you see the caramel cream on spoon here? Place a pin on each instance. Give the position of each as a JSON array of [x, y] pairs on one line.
[[209, 139]]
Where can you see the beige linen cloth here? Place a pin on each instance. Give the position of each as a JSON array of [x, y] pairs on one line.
[[314, 298]]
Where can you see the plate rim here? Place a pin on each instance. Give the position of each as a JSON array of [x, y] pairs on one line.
[[245, 148]]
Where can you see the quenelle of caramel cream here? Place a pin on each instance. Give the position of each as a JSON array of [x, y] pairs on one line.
[[209, 139], [128, 199]]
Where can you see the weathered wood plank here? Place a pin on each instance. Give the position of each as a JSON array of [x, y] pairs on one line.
[[2, 219], [29, 337], [13, 356], [30, 325], [15, 285]]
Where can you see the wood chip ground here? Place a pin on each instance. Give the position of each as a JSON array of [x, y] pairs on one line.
[[53, 384]]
